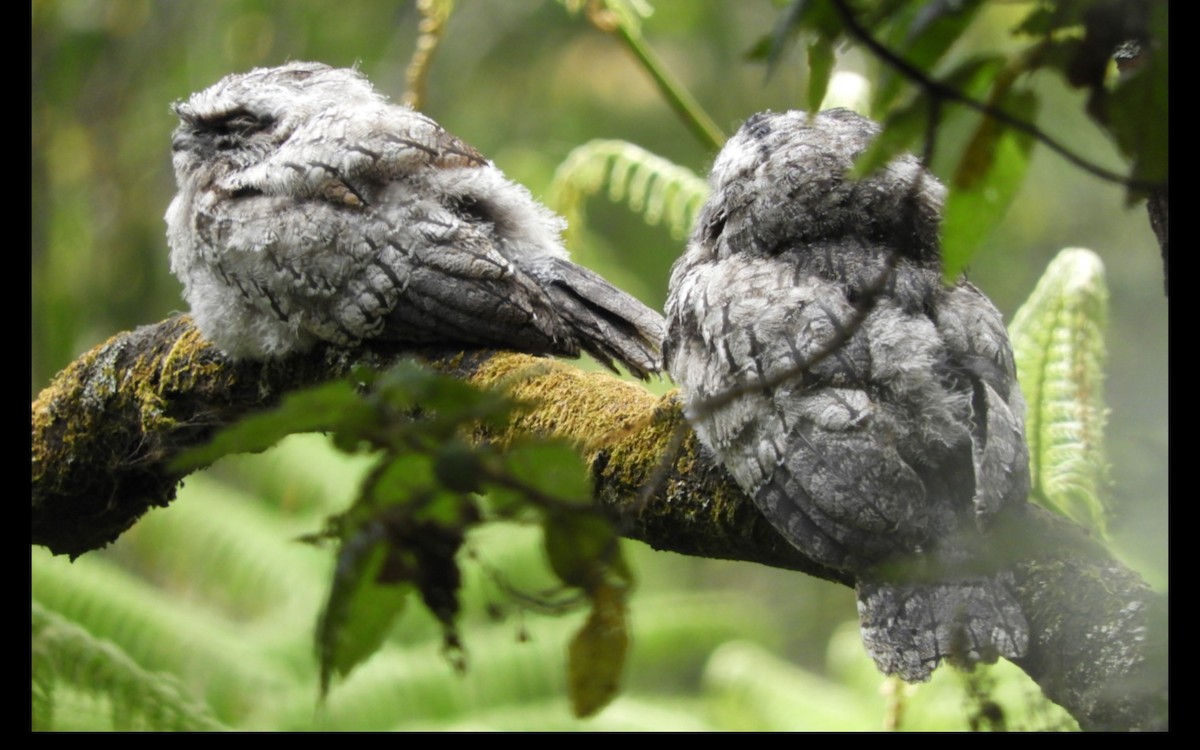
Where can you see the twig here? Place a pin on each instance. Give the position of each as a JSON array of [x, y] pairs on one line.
[[684, 104], [434, 15], [938, 90]]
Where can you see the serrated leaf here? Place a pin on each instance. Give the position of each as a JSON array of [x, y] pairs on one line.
[[1058, 343], [988, 176], [360, 611], [596, 656], [332, 406]]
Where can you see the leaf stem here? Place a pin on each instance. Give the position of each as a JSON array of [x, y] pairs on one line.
[[434, 16], [680, 99], [939, 91]]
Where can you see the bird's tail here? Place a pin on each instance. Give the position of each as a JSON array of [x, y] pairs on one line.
[[908, 628], [610, 324]]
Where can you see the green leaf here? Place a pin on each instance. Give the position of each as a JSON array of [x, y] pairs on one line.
[[760, 51], [1045, 19], [908, 126], [596, 656], [331, 406], [819, 19], [820, 68], [400, 476], [930, 29], [774, 45], [584, 550], [1138, 118], [445, 402], [406, 493], [573, 544], [458, 467], [400, 479], [551, 468], [975, 75], [936, 27], [988, 176], [1058, 343], [360, 610]]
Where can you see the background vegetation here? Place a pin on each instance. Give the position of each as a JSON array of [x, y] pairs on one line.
[[211, 604]]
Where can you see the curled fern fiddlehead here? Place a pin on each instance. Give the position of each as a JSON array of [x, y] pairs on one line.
[[1058, 341]]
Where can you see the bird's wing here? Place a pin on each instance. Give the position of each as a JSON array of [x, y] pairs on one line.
[[824, 457], [415, 213], [979, 347]]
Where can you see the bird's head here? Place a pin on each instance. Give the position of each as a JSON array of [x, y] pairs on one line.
[[782, 182], [241, 118]]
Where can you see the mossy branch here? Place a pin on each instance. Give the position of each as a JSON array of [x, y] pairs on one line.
[[107, 427]]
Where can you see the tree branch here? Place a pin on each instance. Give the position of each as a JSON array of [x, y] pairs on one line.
[[939, 91], [1156, 206], [106, 428]]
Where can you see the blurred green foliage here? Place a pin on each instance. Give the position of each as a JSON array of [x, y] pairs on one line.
[[213, 592], [202, 617]]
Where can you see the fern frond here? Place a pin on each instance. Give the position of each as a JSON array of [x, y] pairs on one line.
[[1058, 342], [657, 189], [117, 606], [67, 656]]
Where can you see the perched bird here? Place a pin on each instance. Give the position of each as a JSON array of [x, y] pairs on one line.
[[870, 411], [311, 209]]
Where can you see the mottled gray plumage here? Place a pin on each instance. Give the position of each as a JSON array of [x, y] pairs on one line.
[[310, 209], [876, 418]]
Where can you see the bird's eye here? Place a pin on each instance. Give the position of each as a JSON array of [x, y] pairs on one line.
[[239, 122]]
